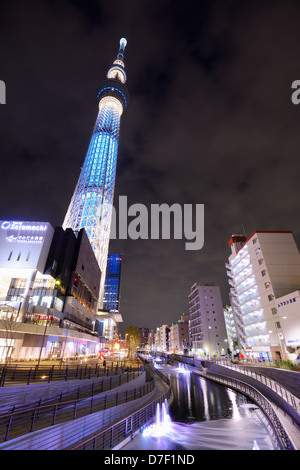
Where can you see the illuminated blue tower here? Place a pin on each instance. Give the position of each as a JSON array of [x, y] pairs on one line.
[[92, 202]]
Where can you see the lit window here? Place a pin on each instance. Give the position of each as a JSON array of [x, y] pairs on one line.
[[267, 284]]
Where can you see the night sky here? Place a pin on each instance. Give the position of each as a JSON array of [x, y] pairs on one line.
[[210, 121]]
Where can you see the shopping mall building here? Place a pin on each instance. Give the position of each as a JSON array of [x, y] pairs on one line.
[[49, 289]]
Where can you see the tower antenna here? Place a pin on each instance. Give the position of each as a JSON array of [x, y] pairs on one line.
[[244, 231], [121, 52]]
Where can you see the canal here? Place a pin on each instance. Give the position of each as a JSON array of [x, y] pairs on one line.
[[205, 416]]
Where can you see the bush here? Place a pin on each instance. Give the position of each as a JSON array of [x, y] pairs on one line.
[[284, 364]]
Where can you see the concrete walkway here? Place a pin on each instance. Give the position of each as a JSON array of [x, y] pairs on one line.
[[291, 429]]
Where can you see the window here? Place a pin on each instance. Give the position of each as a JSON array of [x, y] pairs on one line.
[[260, 261], [274, 310], [54, 265], [28, 256], [267, 284], [254, 240], [19, 256], [271, 297], [257, 250], [264, 272], [10, 255], [278, 324]]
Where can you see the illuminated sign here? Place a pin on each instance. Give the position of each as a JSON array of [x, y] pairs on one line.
[[23, 232], [24, 239], [26, 226]]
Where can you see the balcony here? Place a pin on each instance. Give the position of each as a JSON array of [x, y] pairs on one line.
[[244, 298], [256, 329], [246, 284]]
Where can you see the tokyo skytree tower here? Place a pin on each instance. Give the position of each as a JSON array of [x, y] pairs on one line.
[[92, 202]]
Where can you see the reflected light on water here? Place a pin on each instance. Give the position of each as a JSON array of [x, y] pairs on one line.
[[235, 409], [203, 416]]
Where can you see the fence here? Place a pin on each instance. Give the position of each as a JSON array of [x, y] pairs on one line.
[[32, 418], [260, 400], [275, 386], [118, 432], [15, 375]]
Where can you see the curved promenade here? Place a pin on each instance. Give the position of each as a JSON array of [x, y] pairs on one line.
[[105, 412], [75, 414]]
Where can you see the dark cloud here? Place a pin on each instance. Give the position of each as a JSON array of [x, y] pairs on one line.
[[210, 120]]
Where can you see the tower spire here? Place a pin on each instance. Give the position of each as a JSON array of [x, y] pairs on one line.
[[121, 52], [92, 202]]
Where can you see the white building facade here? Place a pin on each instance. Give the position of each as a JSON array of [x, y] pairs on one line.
[[231, 329], [261, 269], [288, 322]]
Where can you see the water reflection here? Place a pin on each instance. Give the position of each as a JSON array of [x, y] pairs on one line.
[[206, 415], [197, 399]]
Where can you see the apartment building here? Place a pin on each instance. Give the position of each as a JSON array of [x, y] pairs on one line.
[[261, 270], [207, 328], [179, 335]]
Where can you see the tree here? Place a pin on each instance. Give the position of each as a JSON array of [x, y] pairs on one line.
[[133, 339]]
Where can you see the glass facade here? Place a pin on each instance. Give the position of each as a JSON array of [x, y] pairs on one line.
[[111, 300]]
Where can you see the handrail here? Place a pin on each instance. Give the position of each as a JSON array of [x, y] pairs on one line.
[[113, 434], [12, 375], [283, 392], [260, 400], [91, 388], [18, 423]]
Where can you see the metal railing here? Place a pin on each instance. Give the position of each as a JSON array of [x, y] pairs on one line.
[[114, 434], [260, 400], [32, 418], [293, 401], [76, 390], [18, 374]]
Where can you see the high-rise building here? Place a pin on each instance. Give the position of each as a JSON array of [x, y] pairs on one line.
[[208, 335], [144, 337], [179, 335], [164, 338], [111, 299], [92, 202], [262, 271]]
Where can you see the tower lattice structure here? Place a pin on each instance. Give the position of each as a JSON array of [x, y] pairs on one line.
[[91, 205]]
